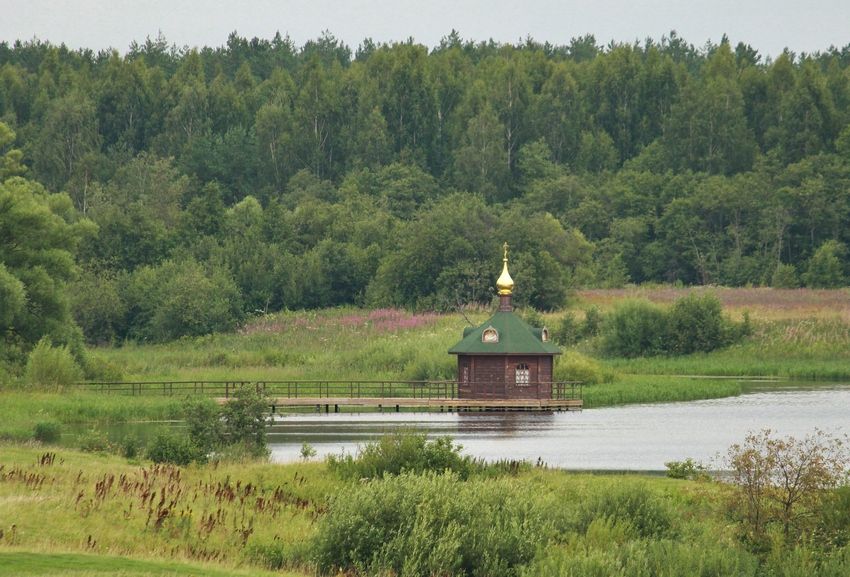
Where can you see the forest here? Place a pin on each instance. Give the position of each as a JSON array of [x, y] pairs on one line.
[[169, 191]]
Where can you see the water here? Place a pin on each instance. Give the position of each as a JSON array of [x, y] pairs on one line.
[[634, 437]]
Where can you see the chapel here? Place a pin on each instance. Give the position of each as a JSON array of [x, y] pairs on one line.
[[505, 358]]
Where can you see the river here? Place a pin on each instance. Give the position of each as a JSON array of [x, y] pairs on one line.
[[634, 437]]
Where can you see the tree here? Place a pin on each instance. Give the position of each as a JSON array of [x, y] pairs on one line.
[[826, 268], [39, 234], [481, 163], [783, 480], [69, 133]]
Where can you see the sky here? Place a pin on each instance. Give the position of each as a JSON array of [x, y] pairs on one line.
[[768, 26]]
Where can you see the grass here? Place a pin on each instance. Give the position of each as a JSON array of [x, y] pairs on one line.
[[69, 513], [72, 513], [37, 564], [631, 389]]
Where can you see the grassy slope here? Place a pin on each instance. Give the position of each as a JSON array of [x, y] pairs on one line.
[[98, 527]]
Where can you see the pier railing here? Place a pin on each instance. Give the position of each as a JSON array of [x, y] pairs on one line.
[[325, 389]]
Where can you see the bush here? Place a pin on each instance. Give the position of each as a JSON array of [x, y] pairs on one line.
[[245, 420], [573, 366], [634, 504], [635, 328], [402, 452], [696, 324], [567, 334], [693, 324], [592, 322], [687, 469], [203, 423], [785, 276], [52, 366], [47, 432], [423, 525], [177, 450], [825, 267], [131, 447], [94, 442]]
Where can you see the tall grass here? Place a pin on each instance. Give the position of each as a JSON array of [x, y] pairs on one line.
[[630, 389]]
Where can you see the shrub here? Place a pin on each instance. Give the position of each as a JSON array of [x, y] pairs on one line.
[[574, 366], [47, 432], [402, 452], [423, 525], [687, 469], [825, 267], [635, 328], [785, 276], [696, 324], [592, 322], [650, 517], [307, 451], [131, 447], [203, 423], [169, 448], [245, 420], [568, 332], [51, 366], [94, 441], [693, 324]]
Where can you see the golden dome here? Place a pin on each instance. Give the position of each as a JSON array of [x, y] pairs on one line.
[[505, 284]]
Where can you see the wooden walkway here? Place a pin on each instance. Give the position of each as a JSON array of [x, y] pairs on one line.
[[396, 404], [327, 395]]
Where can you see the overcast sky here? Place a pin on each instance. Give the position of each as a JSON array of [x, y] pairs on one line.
[[768, 25]]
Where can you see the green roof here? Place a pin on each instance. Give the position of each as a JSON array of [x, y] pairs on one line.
[[515, 337]]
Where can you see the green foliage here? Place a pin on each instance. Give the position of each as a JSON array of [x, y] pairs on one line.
[[592, 322], [785, 276], [422, 525], [402, 452], [635, 328], [47, 432], [50, 366], [204, 424], [693, 324], [696, 324], [687, 469], [826, 266], [94, 441], [244, 419], [40, 232], [307, 451], [573, 366], [568, 332], [648, 515], [174, 449]]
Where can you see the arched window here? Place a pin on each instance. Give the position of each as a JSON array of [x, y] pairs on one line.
[[544, 335], [490, 335], [522, 375]]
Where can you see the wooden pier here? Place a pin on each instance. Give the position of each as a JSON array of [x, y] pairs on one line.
[[397, 404], [385, 396]]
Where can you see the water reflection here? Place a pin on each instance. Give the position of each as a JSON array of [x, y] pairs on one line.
[[637, 437]]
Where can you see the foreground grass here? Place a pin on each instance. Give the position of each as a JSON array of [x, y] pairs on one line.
[[69, 513], [38, 564]]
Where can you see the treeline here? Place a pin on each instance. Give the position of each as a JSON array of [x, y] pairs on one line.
[[261, 175]]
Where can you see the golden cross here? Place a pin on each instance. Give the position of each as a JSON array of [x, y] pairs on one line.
[[505, 246]]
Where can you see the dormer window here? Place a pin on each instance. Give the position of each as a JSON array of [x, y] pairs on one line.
[[544, 335], [490, 335]]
